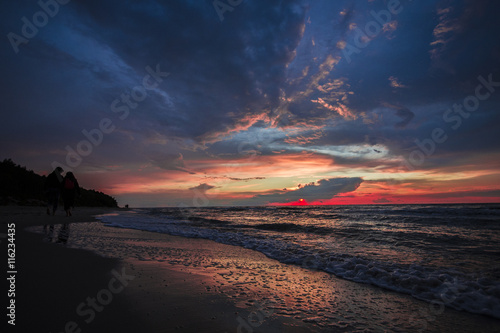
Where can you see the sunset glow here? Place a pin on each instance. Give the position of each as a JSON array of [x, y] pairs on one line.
[[281, 103]]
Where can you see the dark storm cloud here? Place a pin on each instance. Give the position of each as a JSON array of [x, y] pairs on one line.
[[235, 67], [324, 189], [268, 63], [394, 87], [406, 55], [94, 51]]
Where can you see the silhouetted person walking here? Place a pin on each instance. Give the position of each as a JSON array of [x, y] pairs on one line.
[[70, 189], [53, 189]]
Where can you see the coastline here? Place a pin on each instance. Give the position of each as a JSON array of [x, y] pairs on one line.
[[52, 281], [181, 284], [64, 289]]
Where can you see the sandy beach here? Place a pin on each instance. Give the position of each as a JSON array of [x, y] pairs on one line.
[[110, 279]]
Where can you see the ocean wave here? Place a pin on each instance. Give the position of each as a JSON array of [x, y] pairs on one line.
[[292, 227], [474, 293]]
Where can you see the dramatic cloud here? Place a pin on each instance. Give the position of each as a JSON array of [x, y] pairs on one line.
[[171, 162], [245, 179], [154, 98], [202, 187], [324, 189]]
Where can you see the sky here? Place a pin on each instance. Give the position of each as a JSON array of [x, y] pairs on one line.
[[240, 102]]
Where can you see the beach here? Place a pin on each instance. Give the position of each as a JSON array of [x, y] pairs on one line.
[[116, 279]]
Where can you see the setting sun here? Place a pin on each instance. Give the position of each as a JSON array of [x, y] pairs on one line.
[[320, 165]]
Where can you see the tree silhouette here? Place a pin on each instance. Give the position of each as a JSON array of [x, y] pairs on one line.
[[24, 187]]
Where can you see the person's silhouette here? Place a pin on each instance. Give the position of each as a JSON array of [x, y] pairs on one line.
[[53, 189], [70, 189]]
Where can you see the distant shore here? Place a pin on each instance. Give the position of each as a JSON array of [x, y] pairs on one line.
[[137, 281]]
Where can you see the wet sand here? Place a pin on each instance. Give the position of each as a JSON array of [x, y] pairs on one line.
[[52, 280], [150, 282]]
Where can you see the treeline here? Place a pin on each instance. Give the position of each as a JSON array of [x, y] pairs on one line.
[[24, 187]]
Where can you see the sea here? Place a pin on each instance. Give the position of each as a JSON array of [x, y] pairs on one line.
[[443, 254]]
